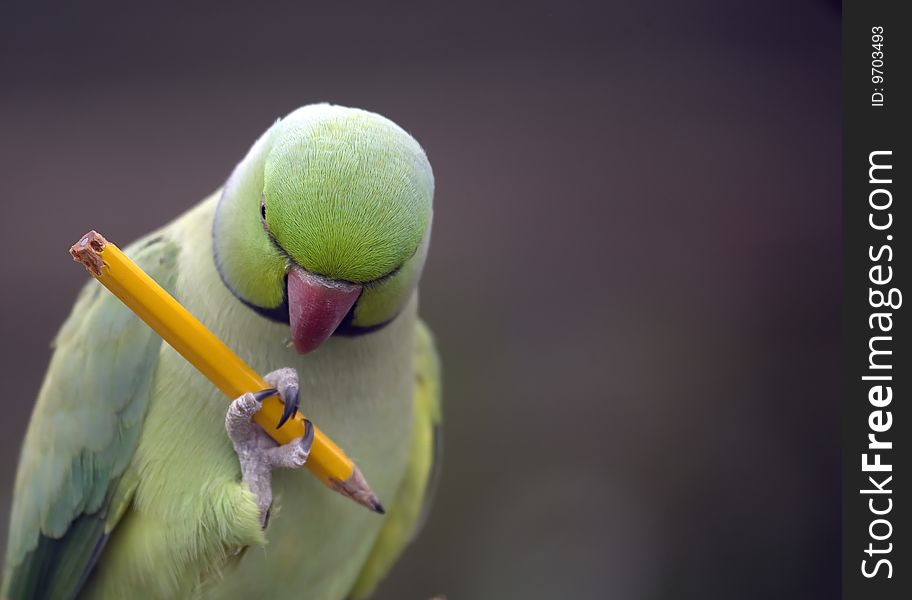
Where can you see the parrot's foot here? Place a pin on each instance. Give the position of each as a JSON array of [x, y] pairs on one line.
[[258, 453]]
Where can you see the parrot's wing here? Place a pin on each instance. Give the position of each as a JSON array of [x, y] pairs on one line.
[[69, 491], [407, 511]]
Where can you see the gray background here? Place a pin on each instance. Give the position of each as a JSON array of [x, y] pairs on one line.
[[634, 279]]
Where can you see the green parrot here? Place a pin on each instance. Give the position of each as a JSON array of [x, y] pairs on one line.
[[137, 479]]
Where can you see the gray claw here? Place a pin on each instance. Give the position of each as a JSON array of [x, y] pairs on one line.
[[307, 440], [263, 394], [291, 404]]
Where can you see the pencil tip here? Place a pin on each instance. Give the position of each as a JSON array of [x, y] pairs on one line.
[[357, 488]]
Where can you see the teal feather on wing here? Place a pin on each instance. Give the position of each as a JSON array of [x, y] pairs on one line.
[[84, 429]]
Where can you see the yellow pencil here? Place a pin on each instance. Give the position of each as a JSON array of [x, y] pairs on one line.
[[225, 369]]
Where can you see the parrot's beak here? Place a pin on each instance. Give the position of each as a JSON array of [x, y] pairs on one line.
[[316, 306]]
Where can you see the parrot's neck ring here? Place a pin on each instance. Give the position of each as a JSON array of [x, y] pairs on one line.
[[279, 314]]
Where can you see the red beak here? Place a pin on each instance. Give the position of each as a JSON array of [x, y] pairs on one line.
[[316, 306]]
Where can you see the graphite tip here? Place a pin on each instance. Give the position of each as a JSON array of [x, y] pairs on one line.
[[357, 488]]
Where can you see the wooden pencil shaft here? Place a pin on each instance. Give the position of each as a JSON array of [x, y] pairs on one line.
[[225, 369]]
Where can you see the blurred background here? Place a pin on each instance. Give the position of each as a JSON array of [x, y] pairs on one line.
[[635, 276]]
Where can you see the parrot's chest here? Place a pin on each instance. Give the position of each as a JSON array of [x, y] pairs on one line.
[[359, 391]]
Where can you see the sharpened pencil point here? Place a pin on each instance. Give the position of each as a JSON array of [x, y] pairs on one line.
[[357, 488]]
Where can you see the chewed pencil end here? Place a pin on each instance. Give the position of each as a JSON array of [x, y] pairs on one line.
[[86, 251]]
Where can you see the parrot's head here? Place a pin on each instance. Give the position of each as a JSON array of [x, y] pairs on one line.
[[325, 224]]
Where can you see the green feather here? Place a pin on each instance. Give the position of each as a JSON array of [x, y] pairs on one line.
[[83, 431], [407, 511], [348, 192]]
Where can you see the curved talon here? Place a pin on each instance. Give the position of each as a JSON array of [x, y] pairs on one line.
[[291, 404], [263, 394], [307, 440]]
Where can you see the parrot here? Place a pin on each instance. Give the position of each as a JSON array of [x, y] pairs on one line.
[[138, 479]]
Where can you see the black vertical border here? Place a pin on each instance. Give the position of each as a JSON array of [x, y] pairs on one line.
[[866, 129]]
